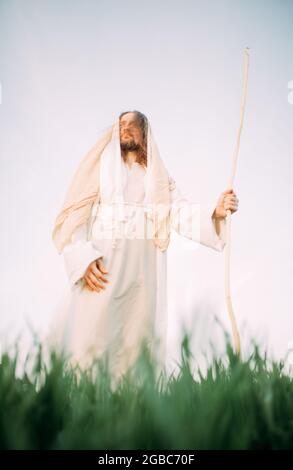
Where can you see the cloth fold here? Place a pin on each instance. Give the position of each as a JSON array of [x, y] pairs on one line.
[[79, 254]]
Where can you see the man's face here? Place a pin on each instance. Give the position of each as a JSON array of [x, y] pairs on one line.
[[130, 133]]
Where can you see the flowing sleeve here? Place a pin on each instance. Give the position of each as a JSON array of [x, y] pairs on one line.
[[79, 254], [195, 221]]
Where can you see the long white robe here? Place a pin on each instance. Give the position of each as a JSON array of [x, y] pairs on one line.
[[133, 306]]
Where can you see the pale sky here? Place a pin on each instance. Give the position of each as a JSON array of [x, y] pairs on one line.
[[67, 69]]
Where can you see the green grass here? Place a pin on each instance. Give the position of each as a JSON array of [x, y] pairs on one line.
[[235, 404]]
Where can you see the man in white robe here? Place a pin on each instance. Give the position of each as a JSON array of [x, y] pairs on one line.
[[118, 284]]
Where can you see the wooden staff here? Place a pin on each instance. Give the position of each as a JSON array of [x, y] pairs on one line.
[[235, 332]]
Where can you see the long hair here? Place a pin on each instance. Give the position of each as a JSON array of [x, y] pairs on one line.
[[143, 124]]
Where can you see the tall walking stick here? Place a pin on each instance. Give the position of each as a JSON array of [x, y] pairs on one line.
[[235, 332]]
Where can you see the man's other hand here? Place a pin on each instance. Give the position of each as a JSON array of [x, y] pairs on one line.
[[95, 276]]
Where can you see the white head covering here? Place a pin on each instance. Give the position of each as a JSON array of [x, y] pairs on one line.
[[99, 175]]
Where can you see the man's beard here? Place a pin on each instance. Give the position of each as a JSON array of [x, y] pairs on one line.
[[130, 145]]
